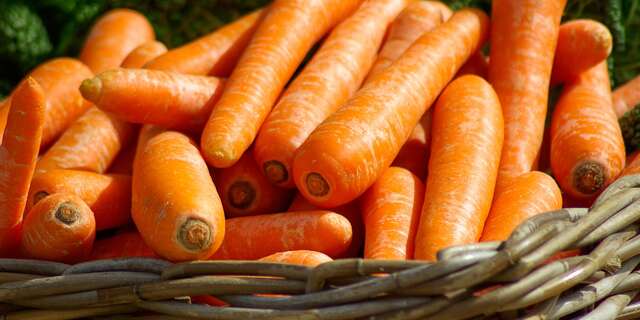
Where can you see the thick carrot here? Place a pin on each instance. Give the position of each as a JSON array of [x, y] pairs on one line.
[[245, 191], [523, 43], [587, 150], [351, 148], [333, 75], [174, 204], [167, 99], [18, 154], [108, 196], [416, 19], [477, 65], [582, 44], [465, 155], [122, 245], [414, 154], [61, 228], [254, 237], [626, 96], [280, 43], [214, 54], [300, 257], [391, 211], [113, 37], [143, 54], [4, 114], [525, 196]]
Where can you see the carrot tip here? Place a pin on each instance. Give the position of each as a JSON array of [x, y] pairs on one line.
[[275, 171], [241, 194], [588, 177], [91, 89], [195, 235], [317, 185], [39, 196], [67, 213]]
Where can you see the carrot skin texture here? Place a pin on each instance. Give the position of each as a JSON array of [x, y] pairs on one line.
[[300, 257], [287, 32], [174, 203], [351, 148], [467, 138], [108, 196], [4, 114], [18, 153], [171, 100], [391, 210], [214, 54], [587, 149], [414, 154], [626, 96], [523, 42], [122, 245], [60, 228], [254, 237], [143, 54], [477, 65], [331, 77], [114, 35]]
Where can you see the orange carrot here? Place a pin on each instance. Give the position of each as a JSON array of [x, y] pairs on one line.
[[467, 139], [143, 54], [391, 210], [18, 154], [582, 44], [61, 228], [416, 19], [477, 65], [331, 77], [288, 31], [626, 96], [108, 196], [587, 150], [166, 99], [113, 37], [254, 237], [523, 43], [122, 245], [524, 197], [214, 54], [245, 191], [301, 257], [414, 154], [351, 148], [175, 205], [4, 114], [633, 165], [123, 163]]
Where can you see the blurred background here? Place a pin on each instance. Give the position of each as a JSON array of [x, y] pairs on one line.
[[32, 31]]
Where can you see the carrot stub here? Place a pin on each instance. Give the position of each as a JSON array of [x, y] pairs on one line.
[[300, 257]]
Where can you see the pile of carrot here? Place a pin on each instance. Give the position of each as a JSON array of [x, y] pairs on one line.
[[401, 135]]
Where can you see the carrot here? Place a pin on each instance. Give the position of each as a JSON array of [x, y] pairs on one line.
[[467, 140], [351, 148], [113, 37], [626, 96], [587, 150], [123, 163], [143, 54], [633, 165], [331, 77], [254, 237], [214, 54], [301, 257], [477, 65], [122, 245], [108, 196], [523, 43], [61, 228], [391, 210], [416, 19], [4, 114], [174, 203], [288, 31], [171, 100], [18, 154], [245, 191], [525, 196], [414, 154]]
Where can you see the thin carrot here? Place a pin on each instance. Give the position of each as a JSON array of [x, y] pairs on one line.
[[477, 65], [351, 148], [523, 42], [626, 96], [587, 150], [113, 37], [108, 196], [246, 191], [254, 237], [122, 245], [300, 257], [465, 155], [582, 44], [391, 210], [143, 54], [333, 75], [214, 54], [414, 154], [61, 228], [18, 154], [174, 204], [167, 99], [525, 196], [288, 31]]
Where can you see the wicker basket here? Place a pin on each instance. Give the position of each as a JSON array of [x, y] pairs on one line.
[[487, 280]]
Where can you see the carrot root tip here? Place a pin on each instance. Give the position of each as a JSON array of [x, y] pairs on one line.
[[195, 235], [317, 185], [275, 171], [588, 177], [242, 194], [67, 213], [39, 196], [91, 89]]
